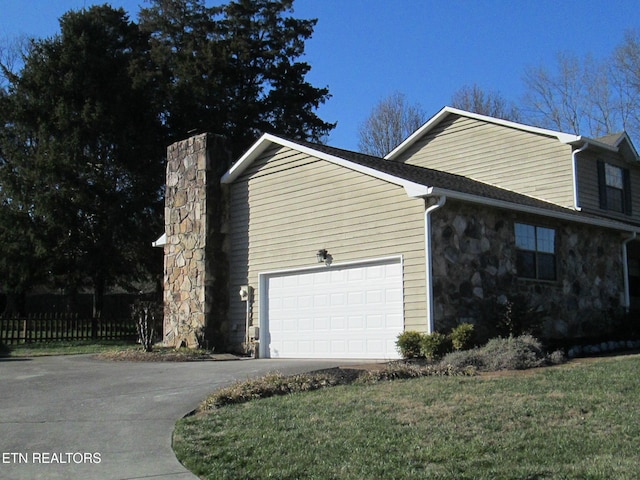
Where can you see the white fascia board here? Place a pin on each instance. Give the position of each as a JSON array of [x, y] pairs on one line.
[[438, 117], [160, 242], [413, 189], [568, 216], [250, 155]]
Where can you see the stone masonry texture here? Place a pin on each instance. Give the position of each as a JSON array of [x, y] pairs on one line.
[[195, 257], [474, 264]]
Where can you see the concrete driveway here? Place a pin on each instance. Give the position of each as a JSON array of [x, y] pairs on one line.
[[75, 417]]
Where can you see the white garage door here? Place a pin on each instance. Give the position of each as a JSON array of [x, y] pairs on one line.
[[334, 312]]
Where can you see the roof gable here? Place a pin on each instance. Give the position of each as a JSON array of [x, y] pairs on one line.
[[617, 142], [331, 155], [446, 111]]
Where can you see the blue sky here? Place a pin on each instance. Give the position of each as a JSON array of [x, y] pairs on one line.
[[364, 50]]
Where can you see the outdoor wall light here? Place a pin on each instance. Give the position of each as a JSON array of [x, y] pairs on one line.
[[324, 257]]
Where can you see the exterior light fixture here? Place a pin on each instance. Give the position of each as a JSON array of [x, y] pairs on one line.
[[322, 256]]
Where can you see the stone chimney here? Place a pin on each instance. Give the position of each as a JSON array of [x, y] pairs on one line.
[[195, 259]]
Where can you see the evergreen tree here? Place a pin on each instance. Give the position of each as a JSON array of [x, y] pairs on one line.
[[233, 70], [81, 150], [85, 123]]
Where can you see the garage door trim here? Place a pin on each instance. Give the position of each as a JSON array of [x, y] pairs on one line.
[[263, 278]]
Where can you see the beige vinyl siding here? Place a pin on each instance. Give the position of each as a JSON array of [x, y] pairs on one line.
[[524, 162], [288, 205], [589, 193]]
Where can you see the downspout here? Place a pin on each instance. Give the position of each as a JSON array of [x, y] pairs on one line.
[[574, 164], [429, 262], [625, 271]]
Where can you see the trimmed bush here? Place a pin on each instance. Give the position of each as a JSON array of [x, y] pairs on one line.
[[462, 336], [435, 345], [408, 344]]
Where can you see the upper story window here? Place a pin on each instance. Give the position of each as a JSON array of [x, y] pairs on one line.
[[536, 252], [615, 188]]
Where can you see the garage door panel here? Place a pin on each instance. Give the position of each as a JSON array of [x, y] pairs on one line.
[[340, 312], [338, 299], [375, 322], [392, 295], [375, 296], [321, 300], [356, 324], [355, 275], [338, 323], [355, 298], [305, 301]]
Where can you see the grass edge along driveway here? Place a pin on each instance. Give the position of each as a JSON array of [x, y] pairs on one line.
[[576, 421]]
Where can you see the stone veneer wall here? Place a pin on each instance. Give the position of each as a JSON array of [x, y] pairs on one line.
[[195, 268], [474, 263]]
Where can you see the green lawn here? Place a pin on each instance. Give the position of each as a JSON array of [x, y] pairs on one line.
[[63, 347], [577, 421]]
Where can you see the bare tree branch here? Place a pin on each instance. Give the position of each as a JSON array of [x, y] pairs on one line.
[[587, 96], [390, 122], [474, 99], [13, 50]]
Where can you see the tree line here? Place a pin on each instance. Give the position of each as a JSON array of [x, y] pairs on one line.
[[86, 116], [579, 95]]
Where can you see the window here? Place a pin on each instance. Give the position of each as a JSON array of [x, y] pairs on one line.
[[615, 188], [536, 252]]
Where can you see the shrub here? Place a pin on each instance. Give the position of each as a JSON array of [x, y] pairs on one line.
[[408, 344], [147, 316], [268, 386], [517, 318], [465, 358], [462, 336], [273, 384], [556, 358], [435, 345], [511, 353], [506, 317], [397, 371]]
